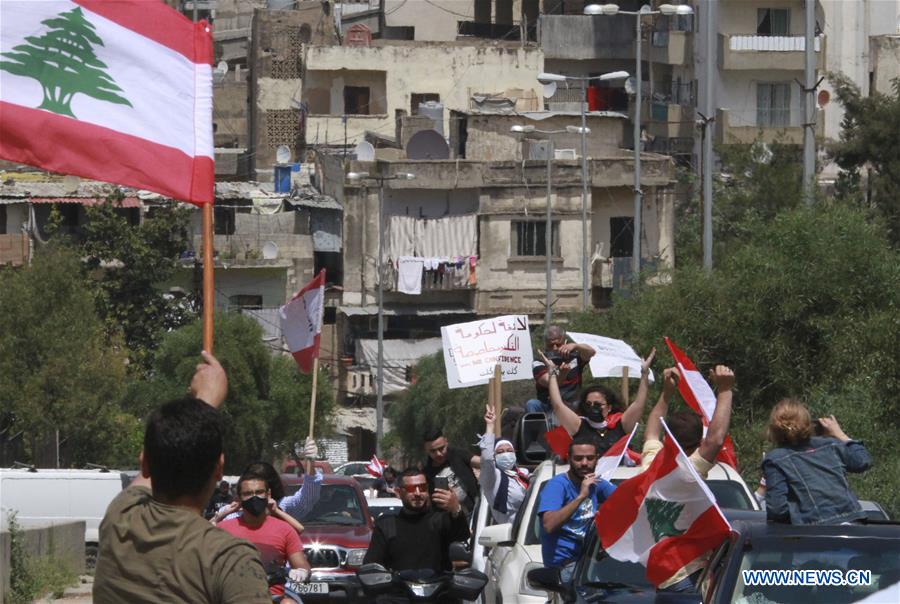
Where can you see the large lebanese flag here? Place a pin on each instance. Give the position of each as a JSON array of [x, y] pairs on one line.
[[114, 90], [666, 518], [700, 397], [301, 322]]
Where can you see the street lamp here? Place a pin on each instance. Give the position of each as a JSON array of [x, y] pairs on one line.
[[358, 177], [548, 223], [613, 9], [548, 78]]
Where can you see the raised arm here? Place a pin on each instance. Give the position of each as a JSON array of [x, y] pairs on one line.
[[723, 378], [488, 476], [568, 419], [653, 431], [854, 454], [302, 502], [635, 410]]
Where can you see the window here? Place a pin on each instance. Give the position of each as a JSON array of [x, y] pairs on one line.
[[2, 220], [773, 104], [416, 99], [223, 220], [250, 302], [773, 21], [529, 238], [621, 237], [356, 100]]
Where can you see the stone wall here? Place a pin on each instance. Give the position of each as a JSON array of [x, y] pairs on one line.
[[64, 542]]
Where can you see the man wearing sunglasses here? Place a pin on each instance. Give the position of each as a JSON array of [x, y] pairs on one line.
[[419, 537], [567, 506]]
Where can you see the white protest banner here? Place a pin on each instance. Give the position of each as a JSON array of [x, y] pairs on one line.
[[612, 356], [472, 349]]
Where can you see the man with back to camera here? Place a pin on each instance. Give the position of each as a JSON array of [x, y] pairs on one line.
[[276, 540], [419, 536], [155, 545], [455, 465], [567, 507]]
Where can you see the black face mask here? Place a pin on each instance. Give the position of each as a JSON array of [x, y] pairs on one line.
[[595, 414], [255, 505]]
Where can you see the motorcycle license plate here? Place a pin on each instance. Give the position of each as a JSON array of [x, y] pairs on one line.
[[308, 588]]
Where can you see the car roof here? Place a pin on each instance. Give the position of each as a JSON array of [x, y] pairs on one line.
[[293, 479], [762, 530]]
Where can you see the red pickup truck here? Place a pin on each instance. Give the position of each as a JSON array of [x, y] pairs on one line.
[[338, 530]]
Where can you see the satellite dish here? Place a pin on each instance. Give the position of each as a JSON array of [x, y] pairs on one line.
[[365, 151], [630, 85], [549, 89], [283, 154], [824, 97], [427, 144], [222, 67], [220, 71], [269, 250]]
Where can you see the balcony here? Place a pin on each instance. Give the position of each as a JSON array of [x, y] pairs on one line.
[[783, 53], [668, 120], [671, 47], [727, 133]]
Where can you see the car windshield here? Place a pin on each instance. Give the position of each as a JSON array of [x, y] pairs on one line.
[[338, 504], [839, 555], [533, 536]]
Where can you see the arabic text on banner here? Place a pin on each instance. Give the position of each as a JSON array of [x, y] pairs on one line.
[[472, 349]]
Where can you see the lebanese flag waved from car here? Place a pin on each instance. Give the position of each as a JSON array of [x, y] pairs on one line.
[[700, 397], [666, 518], [114, 90], [611, 459], [375, 467], [301, 322]]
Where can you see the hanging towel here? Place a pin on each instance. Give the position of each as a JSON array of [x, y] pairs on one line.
[[409, 275]]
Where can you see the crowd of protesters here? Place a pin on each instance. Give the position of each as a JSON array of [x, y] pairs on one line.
[[178, 533]]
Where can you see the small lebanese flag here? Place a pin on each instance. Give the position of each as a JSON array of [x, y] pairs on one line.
[[666, 518], [118, 91], [610, 460], [700, 397], [375, 467], [301, 322], [558, 440]]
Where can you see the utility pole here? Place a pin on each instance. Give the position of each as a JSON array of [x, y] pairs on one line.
[[710, 108], [638, 194], [809, 117]]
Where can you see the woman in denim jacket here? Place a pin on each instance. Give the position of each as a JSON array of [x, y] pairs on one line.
[[806, 475]]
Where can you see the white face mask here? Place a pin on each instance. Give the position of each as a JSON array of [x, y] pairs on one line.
[[505, 461]]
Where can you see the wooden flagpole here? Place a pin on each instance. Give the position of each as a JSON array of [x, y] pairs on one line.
[[497, 388], [624, 387], [209, 291], [312, 407]]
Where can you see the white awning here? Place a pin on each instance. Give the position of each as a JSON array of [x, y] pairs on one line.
[[398, 355], [354, 418]]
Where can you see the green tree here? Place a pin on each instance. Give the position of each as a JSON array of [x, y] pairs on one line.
[[430, 404], [805, 306], [869, 144], [267, 410], [58, 369], [129, 262], [64, 62]]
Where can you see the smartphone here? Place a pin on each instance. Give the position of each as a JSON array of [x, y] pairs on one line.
[[442, 482]]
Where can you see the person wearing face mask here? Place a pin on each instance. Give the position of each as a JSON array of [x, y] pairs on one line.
[[502, 482], [419, 537], [599, 415], [276, 540]]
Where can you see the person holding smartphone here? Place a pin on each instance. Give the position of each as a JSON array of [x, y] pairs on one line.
[[419, 536], [454, 467]]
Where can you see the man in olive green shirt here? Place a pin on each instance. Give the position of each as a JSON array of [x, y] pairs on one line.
[[155, 545]]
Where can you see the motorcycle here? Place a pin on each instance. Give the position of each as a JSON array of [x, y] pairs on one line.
[[420, 585], [280, 576]]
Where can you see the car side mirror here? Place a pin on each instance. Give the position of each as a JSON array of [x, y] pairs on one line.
[[545, 578], [459, 553], [496, 534]]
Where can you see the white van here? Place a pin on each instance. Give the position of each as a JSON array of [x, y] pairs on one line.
[[44, 497]]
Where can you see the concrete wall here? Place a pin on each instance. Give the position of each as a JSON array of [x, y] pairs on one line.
[[739, 16], [324, 90], [433, 21], [885, 62], [453, 71], [490, 139], [64, 542], [737, 94]]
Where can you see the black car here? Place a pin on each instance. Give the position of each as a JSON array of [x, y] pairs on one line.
[[831, 553]]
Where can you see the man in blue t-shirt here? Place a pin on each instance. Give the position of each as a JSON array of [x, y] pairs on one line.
[[567, 506]]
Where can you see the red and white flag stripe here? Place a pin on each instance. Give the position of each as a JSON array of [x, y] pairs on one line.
[[698, 395], [160, 139], [666, 518], [376, 467], [301, 322], [611, 459]]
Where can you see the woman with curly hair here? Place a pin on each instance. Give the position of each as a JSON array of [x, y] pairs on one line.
[[806, 474], [599, 415]]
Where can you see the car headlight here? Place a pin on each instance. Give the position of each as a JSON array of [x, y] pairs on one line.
[[524, 588], [355, 557]]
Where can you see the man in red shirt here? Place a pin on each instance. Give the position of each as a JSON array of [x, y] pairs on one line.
[[276, 540]]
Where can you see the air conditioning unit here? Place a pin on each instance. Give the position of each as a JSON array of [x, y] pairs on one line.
[[565, 154], [538, 150], [359, 383]]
